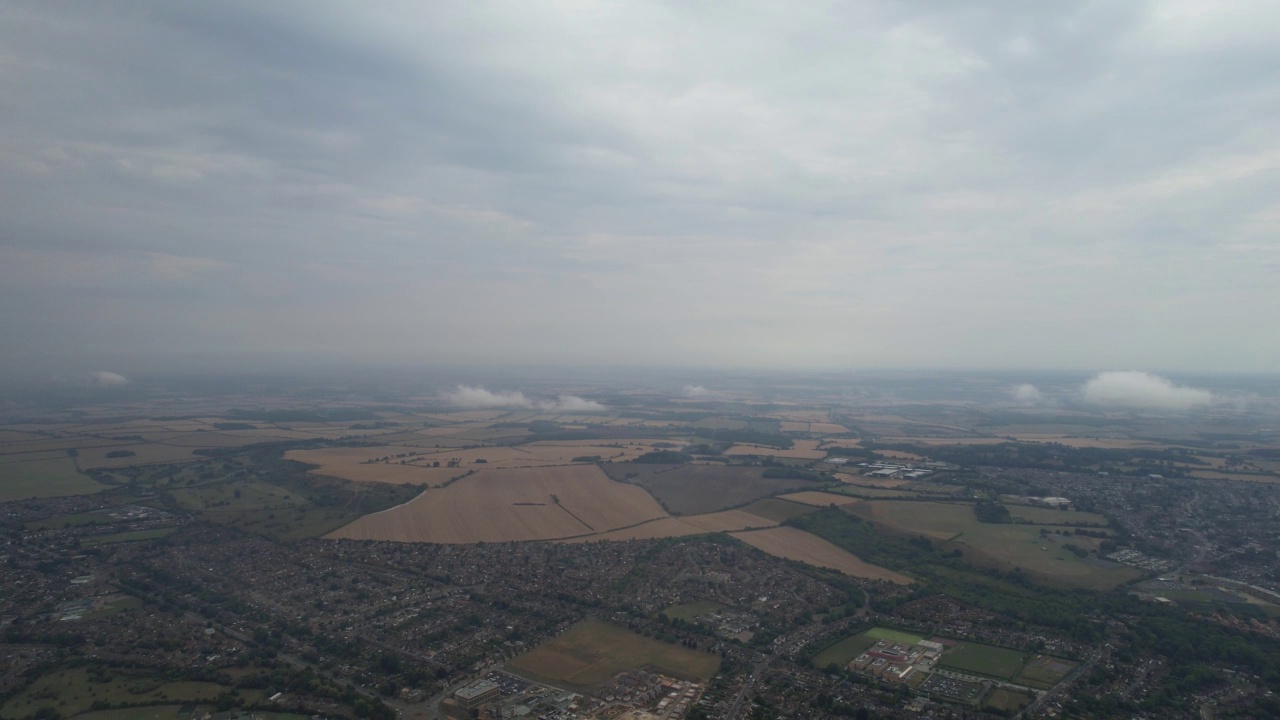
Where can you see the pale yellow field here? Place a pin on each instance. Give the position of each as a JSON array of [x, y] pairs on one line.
[[725, 521], [511, 505], [819, 499], [795, 544]]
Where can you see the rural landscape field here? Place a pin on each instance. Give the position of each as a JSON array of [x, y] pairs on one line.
[[632, 551]]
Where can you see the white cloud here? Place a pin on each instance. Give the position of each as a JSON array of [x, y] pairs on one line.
[[103, 378], [1142, 390], [697, 392], [572, 404], [1027, 394], [477, 398]]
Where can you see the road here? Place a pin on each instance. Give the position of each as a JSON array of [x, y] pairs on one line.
[[746, 687]]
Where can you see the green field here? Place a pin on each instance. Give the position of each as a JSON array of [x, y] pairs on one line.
[[844, 651], [1007, 701], [54, 477], [1044, 671], [982, 659], [1049, 516], [590, 653], [691, 611], [954, 526], [71, 692], [778, 510]]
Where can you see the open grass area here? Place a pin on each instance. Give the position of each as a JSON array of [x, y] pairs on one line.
[[53, 477], [1044, 671], [1007, 701], [71, 692], [1049, 516], [590, 653], [892, 635], [983, 659], [954, 526], [692, 611]]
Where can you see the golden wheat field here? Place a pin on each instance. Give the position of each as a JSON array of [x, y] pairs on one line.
[[511, 505], [795, 544], [803, 450], [723, 521]]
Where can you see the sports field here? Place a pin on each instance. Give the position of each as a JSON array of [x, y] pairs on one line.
[[983, 659], [844, 651], [590, 653]]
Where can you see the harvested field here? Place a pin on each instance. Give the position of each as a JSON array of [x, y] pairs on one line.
[[777, 509], [726, 521], [870, 481], [511, 505], [590, 653], [819, 499], [795, 544], [694, 489], [802, 450]]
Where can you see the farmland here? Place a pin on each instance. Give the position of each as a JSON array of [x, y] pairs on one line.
[[507, 505], [664, 527], [590, 653], [819, 498], [793, 544], [43, 478], [693, 489]]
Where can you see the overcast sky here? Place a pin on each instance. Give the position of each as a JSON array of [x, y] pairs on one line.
[[1030, 184]]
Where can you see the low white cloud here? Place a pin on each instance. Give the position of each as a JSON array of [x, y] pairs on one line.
[[572, 404], [1027, 394], [697, 392], [477, 398], [1142, 390], [104, 378]]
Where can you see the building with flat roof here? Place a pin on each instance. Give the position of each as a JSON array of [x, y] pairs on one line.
[[477, 694]]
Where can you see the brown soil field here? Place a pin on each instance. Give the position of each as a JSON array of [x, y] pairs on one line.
[[795, 544], [694, 489], [819, 499], [792, 426], [511, 505]]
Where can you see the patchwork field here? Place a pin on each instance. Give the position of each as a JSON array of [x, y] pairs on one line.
[[693, 489], [590, 653], [795, 544], [511, 505], [1002, 545]]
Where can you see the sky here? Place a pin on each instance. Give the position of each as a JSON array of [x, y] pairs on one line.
[[1065, 185]]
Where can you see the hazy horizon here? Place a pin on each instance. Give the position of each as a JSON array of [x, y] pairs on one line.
[[244, 187]]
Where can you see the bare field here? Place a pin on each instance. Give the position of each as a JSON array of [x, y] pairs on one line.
[[511, 505], [695, 489], [817, 498], [795, 544], [802, 450]]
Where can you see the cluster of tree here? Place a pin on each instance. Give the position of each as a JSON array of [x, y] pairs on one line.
[[988, 511], [664, 457]]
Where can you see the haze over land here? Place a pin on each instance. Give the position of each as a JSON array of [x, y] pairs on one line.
[[247, 185]]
